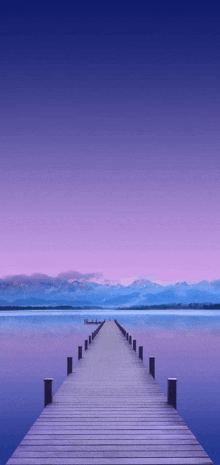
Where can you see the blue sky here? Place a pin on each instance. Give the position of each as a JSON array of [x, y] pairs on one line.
[[110, 138]]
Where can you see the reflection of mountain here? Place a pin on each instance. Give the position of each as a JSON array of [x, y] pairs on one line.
[[60, 291]]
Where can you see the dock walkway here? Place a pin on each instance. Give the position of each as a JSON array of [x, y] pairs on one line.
[[109, 411]]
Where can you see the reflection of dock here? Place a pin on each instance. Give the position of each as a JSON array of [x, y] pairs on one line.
[[95, 322], [110, 411]]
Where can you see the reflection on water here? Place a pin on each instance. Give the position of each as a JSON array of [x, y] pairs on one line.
[[35, 344]]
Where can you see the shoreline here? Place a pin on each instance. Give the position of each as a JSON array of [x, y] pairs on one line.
[[195, 306]]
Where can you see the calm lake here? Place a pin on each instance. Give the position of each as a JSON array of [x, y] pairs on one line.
[[35, 344]]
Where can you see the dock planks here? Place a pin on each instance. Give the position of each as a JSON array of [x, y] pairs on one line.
[[109, 411]]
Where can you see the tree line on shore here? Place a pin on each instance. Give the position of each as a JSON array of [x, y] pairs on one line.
[[191, 306]]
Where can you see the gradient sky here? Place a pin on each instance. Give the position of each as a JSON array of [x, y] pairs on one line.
[[109, 122]]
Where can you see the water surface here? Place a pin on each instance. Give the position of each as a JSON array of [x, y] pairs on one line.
[[35, 344]]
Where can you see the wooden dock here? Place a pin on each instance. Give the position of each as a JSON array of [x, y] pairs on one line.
[[95, 322], [110, 410]]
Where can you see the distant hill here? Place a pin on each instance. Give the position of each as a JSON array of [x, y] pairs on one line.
[[42, 290]]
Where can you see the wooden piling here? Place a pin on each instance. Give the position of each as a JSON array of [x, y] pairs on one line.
[[79, 352], [48, 391], [152, 366], [69, 365], [140, 352], [171, 391]]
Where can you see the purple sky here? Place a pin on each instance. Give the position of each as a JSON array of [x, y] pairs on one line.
[[110, 139]]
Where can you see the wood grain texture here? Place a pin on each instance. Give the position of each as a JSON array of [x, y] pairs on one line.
[[108, 411]]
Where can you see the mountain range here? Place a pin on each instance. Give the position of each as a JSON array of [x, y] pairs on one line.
[[44, 290]]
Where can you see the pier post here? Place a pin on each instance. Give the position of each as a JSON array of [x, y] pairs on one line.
[[130, 339], [69, 365], [152, 366], [48, 391], [86, 344], [79, 352], [127, 336], [90, 339], [171, 391], [134, 344], [140, 352]]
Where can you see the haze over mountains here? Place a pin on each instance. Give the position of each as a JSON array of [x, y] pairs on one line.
[[73, 288]]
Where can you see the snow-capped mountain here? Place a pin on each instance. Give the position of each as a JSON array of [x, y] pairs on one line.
[[61, 290]]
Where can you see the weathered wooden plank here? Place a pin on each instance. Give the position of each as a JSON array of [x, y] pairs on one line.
[[115, 442], [113, 432], [149, 435], [83, 411], [123, 406], [110, 424], [107, 454], [111, 417], [128, 447], [111, 461]]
